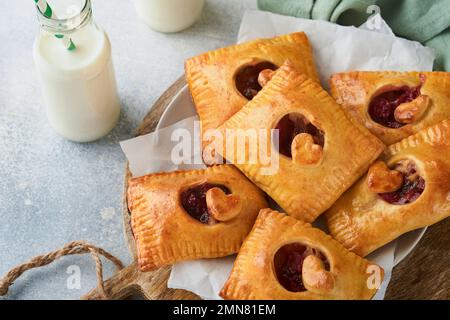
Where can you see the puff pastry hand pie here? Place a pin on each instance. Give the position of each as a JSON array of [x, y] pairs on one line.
[[221, 82], [408, 188], [321, 152], [195, 214], [394, 105], [284, 258]]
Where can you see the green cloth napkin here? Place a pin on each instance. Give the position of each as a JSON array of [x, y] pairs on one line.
[[426, 21]]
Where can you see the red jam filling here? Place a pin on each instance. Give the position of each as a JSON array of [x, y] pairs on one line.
[[247, 78], [382, 107], [291, 125], [288, 263], [193, 201], [412, 188]]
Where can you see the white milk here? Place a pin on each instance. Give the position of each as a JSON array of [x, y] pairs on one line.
[[169, 15], [79, 86]]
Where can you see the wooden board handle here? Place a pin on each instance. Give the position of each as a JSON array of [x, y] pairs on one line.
[[120, 286]]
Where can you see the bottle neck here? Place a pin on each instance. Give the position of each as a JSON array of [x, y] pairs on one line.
[[79, 17]]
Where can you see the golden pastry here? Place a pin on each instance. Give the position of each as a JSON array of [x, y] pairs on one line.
[[284, 258], [221, 82], [394, 105], [194, 214], [321, 152], [381, 207]]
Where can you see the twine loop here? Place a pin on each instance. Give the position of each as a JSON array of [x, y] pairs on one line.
[[72, 248]]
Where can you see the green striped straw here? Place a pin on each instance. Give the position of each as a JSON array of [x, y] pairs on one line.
[[47, 11]]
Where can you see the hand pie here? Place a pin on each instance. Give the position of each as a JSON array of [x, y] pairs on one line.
[[408, 189], [194, 214], [319, 154], [223, 81], [284, 258], [394, 105]]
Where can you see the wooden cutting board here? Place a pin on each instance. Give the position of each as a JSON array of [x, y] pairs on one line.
[[424, 274]]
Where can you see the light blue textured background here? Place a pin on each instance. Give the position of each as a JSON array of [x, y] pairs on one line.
[[53, 191]]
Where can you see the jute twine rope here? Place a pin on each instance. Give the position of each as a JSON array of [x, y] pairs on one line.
[[76, 247]]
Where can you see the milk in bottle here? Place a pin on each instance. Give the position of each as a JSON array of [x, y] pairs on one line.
[[78, 84]]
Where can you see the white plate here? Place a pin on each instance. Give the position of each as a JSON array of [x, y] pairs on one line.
[[182, 107]]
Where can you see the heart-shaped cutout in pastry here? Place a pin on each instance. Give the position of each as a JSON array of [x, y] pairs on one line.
[[381, 179], [314, 275], [221, 206], [305, 151], [412, 111]]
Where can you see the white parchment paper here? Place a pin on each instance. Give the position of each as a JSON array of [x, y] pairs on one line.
[[373, 46]]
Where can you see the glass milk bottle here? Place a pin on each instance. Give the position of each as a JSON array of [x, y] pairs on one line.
[[73, 59], [169, 15]]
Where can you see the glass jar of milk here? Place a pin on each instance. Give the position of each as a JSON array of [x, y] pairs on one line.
[[169, 15], [78, 85]]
